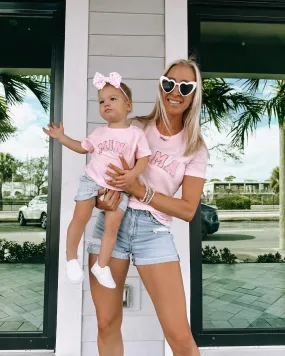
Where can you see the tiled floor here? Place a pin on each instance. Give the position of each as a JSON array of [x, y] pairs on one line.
[[248, 295], [21, 297]]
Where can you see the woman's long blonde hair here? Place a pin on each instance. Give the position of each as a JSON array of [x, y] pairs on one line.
[[191, 116]]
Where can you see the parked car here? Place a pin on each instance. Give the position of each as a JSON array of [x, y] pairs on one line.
[[34, 211], [210, 220]]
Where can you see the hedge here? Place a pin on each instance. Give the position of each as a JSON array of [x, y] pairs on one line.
[[232, 202]]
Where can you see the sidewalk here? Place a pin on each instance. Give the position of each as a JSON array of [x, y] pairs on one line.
[[248, 215], [244, 295], [8, 216]]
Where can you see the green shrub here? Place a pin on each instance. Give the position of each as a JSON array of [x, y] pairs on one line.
[[28, 252], [270, 258], [211, 255], [233, 202]]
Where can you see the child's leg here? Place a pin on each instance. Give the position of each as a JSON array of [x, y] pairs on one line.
[[81, 216], [113, 221]]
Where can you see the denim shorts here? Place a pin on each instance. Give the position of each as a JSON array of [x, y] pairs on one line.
[[141, 237], [88, 189]]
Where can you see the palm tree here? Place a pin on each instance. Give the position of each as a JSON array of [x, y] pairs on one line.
[[221, 102], [274, 180], [15, 87], [250, 110], [8, 166]]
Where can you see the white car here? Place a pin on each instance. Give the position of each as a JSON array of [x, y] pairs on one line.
[[34, 211]]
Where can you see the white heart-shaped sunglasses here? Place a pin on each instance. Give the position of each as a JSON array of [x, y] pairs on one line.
[[185, 88]]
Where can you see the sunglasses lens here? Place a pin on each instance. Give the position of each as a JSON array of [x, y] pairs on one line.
[[167, 85], [186, 89]]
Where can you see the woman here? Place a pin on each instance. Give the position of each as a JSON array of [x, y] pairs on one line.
[[179, 157]]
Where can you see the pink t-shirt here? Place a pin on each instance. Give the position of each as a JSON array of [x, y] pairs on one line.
[[167, 167], [106, 144]]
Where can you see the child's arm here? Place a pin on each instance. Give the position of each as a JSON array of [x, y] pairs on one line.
[[58, 134], [142, 156]]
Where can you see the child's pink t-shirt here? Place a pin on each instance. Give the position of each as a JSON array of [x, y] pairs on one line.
[[106, 144], [167, 167]]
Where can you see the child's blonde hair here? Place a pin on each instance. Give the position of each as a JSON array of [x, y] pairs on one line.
[[191, 116], [127, 91]]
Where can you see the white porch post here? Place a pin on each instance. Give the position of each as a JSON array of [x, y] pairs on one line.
[[69, 308], [176, 47]]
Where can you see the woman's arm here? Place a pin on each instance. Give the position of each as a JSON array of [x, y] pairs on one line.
[[184, 208]]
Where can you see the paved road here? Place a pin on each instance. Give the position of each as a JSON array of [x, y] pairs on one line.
[[11, 231], [246, 238]]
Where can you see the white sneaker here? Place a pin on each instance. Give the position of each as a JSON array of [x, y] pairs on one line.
[[103, 275], [74, 272]]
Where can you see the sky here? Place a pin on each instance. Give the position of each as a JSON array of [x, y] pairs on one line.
[[261, 152], [29, 140]]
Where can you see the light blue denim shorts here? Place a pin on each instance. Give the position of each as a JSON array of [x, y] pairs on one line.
[[88, 189], [140, 236]]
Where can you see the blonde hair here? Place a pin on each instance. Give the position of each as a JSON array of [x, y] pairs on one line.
[[128, 91], [125, 88], [191, 116]]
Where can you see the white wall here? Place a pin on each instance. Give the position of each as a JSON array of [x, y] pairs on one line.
[[127, 37]]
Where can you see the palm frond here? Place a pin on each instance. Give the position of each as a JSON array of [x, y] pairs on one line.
[[15, 87], [276, 106], [216, 104], [221, 102], [247, 122], [253, 85], [39, 89], [6, 127]]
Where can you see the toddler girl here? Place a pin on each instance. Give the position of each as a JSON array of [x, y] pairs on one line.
[[106, 144]]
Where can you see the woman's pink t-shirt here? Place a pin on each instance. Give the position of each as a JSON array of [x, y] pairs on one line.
[[106, 144], [167, 166]]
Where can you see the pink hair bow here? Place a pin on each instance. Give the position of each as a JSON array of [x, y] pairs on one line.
[[100, 81]]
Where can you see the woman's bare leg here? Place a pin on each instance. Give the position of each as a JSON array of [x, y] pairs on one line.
[[109, 307], [112, 223], [165, 286], [81, 216]]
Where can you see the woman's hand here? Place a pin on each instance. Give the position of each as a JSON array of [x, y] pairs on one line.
[[111, 200], [123, 179]]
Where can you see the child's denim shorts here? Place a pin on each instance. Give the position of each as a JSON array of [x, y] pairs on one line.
[[140, 236], [88, 189]]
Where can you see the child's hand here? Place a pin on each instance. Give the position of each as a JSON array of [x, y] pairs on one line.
[[127, 178], [54, 131]]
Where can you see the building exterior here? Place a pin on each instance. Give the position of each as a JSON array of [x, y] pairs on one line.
[[135, 38], [214, 189]]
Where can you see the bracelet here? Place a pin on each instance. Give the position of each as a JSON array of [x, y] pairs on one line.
[[150, 198], [147, 191]]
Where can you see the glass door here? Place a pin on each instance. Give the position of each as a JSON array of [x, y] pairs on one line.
[[238, 264], [30, 98]]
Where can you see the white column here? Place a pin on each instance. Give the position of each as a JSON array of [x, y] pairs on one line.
[[176, 30], [176, 47], [69, 307]]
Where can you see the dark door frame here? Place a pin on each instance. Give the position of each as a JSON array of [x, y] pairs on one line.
[[46, 338], [230, 10]]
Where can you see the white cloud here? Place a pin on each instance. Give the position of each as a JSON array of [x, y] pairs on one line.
[[31, 142], [261, 155], [23, 114]]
